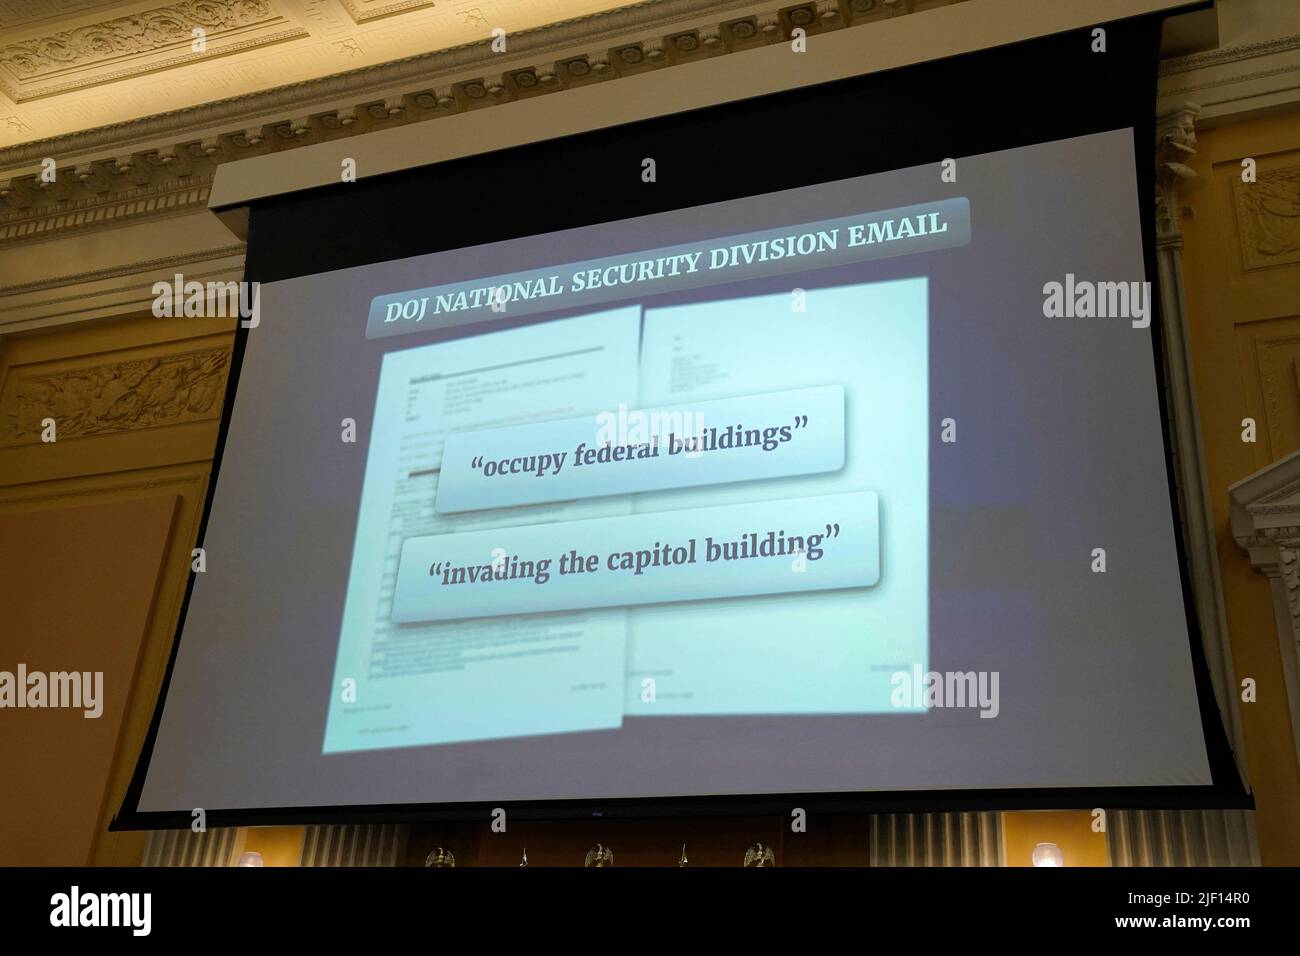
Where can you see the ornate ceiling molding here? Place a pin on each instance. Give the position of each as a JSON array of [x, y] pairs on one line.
[[145, 42], [363, 10], [21, 13], [176, 177], [424, 68]]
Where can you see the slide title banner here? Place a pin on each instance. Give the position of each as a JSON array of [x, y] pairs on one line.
[[814, 245]]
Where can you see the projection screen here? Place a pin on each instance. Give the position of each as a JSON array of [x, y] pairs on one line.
[[825, 460]]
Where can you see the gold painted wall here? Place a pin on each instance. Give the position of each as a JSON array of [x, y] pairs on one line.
[[1241, 267], [136, 404], [77, 588]]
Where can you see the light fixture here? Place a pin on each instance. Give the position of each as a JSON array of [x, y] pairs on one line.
[[1048, 854], [251, 858]]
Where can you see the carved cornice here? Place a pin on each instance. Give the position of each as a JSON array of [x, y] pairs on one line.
[[441, 84], [1228, 54], [1175, 146], [114, 272], [125, 289], [1232, 80], [159, 195], [1235, 79]]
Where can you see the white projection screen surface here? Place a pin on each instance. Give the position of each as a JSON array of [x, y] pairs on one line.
[[848, 489]]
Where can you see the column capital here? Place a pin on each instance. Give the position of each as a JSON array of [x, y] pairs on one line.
[[1175, 146]]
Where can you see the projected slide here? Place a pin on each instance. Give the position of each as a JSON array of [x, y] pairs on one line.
[[803, 492], [546, 544]]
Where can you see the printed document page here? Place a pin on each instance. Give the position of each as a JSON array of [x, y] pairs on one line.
[[495, 677], [817, 652]]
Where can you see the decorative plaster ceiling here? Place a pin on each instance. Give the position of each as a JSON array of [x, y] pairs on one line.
[[68, 65]]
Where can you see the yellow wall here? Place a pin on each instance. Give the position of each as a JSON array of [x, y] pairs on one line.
[[1243, 307], [136, 405], [77, 588]]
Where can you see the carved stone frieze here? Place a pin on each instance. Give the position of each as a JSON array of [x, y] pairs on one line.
[[114, 397]]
